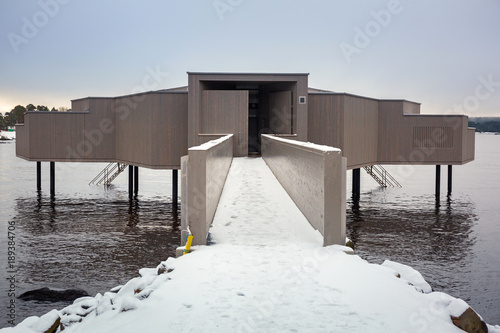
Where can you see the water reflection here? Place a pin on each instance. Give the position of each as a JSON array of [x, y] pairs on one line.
[[418, 231], [93, 244]]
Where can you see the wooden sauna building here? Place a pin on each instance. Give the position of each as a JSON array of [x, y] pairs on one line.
[[155, 129]]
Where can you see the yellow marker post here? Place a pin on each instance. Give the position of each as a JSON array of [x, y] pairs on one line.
[[188, 244]]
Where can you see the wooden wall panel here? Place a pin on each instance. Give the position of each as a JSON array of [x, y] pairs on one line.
[[280, 112], [152, 129], [99, 129], [61, 126], [360, 131], [124, 107], [138, 140], [301, 118], [76, 144], [133, 134], [226, 112], [82, 104], [325, 119], [169, 134], [411, 107], [468, 141], [398, 144], [194, 105], [470, 145], [41, 136], [22, 140], [389, 130]]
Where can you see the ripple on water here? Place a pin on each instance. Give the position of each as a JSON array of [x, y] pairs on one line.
[[436, 240], [93, 244]]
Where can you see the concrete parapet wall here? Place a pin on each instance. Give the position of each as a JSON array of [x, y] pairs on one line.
[[314, 177], [207, 169]]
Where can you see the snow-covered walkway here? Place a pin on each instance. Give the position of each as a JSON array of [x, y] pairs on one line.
[[266, 271], [255, 210]]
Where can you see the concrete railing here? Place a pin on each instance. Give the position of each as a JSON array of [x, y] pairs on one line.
[[314, 177], [203, 174]]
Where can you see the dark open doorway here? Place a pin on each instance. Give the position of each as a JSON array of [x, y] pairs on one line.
[[270, 110], [256, 122]]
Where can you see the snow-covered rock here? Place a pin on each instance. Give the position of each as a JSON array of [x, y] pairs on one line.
[[409, 274]]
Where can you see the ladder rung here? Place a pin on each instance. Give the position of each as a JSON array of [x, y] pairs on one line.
[[108, 174], [381, 176]]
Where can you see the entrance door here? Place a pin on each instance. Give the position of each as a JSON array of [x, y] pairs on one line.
[[281, 112], [226, 112]]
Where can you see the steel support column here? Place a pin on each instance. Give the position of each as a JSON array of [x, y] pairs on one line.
[[39, 176], [450, 176], [136, 180], [174, 188], [52, 179], [438, 180], [130, 182], [356, 184]]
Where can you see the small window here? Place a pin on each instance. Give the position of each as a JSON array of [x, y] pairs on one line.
[[302, 99]]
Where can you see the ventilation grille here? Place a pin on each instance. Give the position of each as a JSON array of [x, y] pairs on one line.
[[432, 137]]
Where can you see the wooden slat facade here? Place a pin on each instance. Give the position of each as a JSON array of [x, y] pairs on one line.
[[371, 131], [143, 130], [151, 129], [226, 111], [296, 84], [155, 129], [360, 143]]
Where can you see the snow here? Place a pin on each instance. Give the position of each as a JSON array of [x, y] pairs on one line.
[[8, 135], [409, 274], [211, 143], [310, 145], [265, 271]]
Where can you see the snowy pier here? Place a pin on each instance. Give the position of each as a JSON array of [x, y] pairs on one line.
[[312, 176], [270, 265], [265, 270]]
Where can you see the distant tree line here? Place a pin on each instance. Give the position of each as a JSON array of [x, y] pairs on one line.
[[16, 115], [489, 124]]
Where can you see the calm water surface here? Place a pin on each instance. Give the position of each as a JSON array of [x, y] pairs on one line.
[[94, 238], [88, 237], [454, 242]]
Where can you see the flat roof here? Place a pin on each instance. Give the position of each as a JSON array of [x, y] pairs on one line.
[[247, 73]]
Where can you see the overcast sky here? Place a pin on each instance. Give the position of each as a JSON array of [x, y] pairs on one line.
[[443, 54]]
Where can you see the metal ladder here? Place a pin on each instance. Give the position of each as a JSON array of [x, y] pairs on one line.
[[108, 174], [381, 176]]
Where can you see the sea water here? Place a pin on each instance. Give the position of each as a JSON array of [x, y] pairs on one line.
[[94, 238]]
